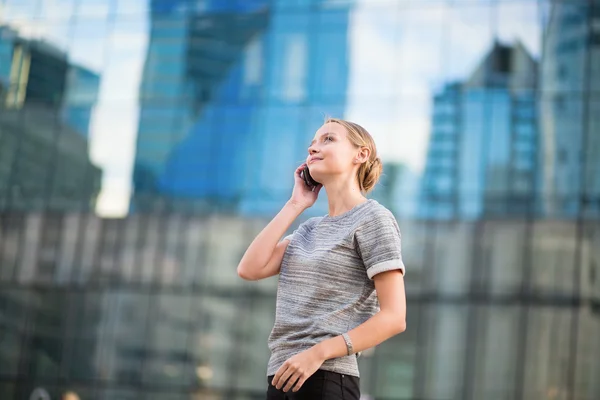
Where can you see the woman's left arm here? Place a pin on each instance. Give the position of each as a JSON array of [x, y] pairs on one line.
[[388, 322]]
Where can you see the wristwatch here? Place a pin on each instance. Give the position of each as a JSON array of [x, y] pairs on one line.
[[348, 343]]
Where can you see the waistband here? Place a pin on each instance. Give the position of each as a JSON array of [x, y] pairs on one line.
[[321, 373]]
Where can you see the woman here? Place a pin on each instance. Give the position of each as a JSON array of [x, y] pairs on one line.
[[341, 276]]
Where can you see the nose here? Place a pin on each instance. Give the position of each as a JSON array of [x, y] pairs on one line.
[[311, 149]]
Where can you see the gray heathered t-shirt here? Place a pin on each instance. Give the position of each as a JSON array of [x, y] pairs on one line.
[[325, 284]]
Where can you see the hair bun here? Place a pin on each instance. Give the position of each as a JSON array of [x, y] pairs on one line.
[[373, 165], [372, 173]]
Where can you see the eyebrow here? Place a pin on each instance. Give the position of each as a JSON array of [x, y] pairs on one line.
[[326, 133]]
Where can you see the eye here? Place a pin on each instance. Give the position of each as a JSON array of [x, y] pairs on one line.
[[328, 138]]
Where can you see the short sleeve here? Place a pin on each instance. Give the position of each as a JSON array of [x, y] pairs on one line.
[[378, 242]]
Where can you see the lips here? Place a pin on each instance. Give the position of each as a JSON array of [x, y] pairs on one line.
[[313, 159]]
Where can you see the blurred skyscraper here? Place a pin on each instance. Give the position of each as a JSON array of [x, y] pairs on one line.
[[395, 188], [36, 72], [45, 170], [230, 99], [194, 60], [483, 144], [570, 109], [44, 160], [81, 96]]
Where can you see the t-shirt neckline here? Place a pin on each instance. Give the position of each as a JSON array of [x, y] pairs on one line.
[[349, 212]]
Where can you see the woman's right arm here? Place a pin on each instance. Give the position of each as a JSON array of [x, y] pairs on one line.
[[263, 257]]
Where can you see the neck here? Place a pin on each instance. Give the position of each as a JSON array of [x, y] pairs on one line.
[[343, 196]]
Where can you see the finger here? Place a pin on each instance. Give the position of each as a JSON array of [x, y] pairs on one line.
[[293, 379], [299, 384], [277, 376], [297, 174], [316, 189], [284, 377]]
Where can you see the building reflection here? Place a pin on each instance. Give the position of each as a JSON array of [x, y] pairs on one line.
[[154, 301], [228, 102], [502, 246], [570, 110], [482, 153], [44, 122]]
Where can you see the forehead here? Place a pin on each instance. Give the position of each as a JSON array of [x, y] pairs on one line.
[[331, 127]]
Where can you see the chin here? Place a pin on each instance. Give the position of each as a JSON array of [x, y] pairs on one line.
[[316, 169]]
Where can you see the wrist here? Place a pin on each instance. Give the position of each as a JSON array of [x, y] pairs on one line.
[[321, 351], [296, 206]]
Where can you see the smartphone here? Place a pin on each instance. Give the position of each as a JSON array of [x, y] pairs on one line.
[[310, 182]]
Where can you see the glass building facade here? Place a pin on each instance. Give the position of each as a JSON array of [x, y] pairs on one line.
[[144, 144], [483, 147], [227, 92], [44, 160], [569, 108]]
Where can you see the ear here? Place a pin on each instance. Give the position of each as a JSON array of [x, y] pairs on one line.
[[363, 155]]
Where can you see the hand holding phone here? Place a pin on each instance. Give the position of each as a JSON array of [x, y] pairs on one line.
[[306, 189]]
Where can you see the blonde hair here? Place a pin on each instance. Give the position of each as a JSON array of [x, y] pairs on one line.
[[370, 171]]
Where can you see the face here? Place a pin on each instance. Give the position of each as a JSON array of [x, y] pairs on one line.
[[331, 153]]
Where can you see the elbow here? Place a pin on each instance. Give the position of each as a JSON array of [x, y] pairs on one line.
[[397, 323], [394, 322], [400, 326], [244, 274]]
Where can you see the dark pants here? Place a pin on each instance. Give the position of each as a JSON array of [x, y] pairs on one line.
[[322, 385]]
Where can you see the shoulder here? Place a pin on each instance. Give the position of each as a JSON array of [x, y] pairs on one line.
[[377, 213], [376, 220], [379, 210]]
